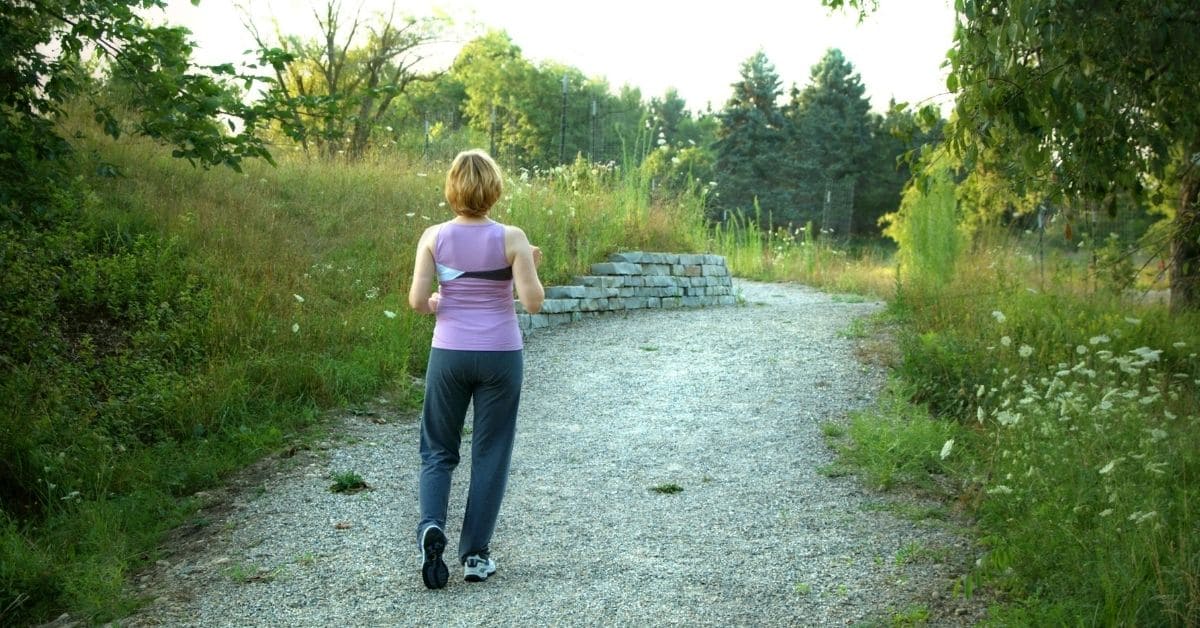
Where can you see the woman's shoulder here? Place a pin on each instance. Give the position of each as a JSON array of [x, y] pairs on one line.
[[431, 232], [511, 231]]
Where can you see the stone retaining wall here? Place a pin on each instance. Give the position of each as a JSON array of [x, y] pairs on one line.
[[634, 281]]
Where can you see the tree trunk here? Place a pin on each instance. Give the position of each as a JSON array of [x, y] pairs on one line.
[[1185, 247]]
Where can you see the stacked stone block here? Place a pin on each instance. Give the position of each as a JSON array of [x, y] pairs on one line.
[[635, 281]]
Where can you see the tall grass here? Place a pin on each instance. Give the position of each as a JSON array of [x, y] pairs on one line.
[[801, 255]]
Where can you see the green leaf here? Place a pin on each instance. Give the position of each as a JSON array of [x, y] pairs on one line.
[[952, 82]]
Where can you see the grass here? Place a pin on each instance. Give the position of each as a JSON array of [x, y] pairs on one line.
[[667, 489], [348, 482]]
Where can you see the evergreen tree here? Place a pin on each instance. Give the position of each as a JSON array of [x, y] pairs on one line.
[[830, 135], [750, 147]]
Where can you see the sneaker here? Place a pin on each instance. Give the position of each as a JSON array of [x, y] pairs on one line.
[[477, 568], [433, 569]]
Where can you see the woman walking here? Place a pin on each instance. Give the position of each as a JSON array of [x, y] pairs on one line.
[[476, 357]]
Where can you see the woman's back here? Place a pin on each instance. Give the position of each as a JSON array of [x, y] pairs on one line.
[[475, 280]]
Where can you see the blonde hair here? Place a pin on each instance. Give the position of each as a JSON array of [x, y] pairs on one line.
[[473, 183]]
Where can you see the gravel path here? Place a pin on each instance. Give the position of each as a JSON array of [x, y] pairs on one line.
[[726, 403]]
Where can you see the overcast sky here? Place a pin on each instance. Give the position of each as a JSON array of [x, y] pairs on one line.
[[697, 48]]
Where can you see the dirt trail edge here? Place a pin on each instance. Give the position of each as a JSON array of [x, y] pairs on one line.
[[666, 472]]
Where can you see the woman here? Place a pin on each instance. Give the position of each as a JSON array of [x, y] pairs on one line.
[[476, 356]]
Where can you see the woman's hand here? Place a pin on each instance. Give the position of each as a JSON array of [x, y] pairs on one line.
[[434, 300]]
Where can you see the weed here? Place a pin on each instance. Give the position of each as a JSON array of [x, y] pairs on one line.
[[854, 330], [802, 588], [348, 482], [836, 470], [246, 573], [667, 489], [913, 615], [833, 430]]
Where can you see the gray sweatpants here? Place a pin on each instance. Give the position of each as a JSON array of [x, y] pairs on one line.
[[492, 380]]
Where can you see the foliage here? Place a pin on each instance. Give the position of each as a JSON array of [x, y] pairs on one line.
[[1087, 105], [1074, 414], [896, 443], [822, 157], [333, 91], [43, 51], [927, 232], [831, 132], [1028, 76], [519, 106], [751, 145], [799, 255], [348, 482]]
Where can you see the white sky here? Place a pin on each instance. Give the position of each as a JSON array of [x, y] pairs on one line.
[[650, 44]]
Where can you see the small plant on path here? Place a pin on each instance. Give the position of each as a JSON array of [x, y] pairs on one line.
[[348, 482]]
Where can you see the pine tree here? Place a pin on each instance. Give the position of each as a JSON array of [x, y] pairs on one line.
[[751, 143], [831, 136]]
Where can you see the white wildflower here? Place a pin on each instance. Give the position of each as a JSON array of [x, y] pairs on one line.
[[1147, 354], [1081, 349], [1006, 341], [1106, 512], [1106, 469], [299, 299], [999, 316], [295, 328], [947, 448], [1140, 517], [1106, 405], [389, 314], [1025, 351], [373, 292], [1099, 339], [1179, 345], [1133, 321], [1007, 417], [410, 214], [999, 489], [979, 391]]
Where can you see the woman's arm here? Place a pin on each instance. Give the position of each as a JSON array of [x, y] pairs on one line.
[[524, 260], [424, 270]]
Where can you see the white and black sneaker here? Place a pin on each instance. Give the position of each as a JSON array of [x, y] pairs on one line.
[[478, 567], [433, 569]]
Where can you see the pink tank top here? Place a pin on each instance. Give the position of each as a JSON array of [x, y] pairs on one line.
[[476, 309]]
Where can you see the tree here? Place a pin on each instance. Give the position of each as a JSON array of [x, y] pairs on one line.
[[44, 47], [751, 143], [520, 106], [503, 91], [1096, 101], [335, 94], [831, 135]]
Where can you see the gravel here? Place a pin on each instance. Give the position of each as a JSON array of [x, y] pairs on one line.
[[724, 403]]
